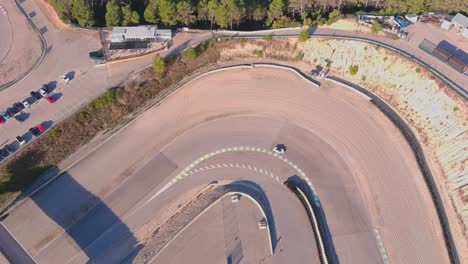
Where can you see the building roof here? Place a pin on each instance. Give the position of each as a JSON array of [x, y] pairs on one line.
[[140, 32], [460, 19], [445, 25]]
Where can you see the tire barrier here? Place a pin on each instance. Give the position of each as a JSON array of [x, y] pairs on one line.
[[41, 57], [421, 160], [324, 254]]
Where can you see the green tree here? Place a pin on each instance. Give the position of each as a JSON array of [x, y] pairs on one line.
[[189, 53], [333, 16], [275, 11], [212, 9], [259, 12], [167, 12], [83, 13], [221, 16], [159, 65], [202, 10], [127, 15], [63, 8], [185, 12], [376, 27], [150, 13], [135, 19], [303, 35], [113, 13]]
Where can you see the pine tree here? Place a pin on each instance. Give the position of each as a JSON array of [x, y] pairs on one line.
[[113, 13], [150, 13], [127, 15], [135, 18], [185, 12], [221, 16], [275, 11], [167, 12], [63, 8], [83, 13], [212, 9]]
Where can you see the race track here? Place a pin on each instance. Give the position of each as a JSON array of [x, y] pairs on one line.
[[360, 165]]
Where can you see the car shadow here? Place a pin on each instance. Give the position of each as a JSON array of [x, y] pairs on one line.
[[47, 124], [21, 117], [51, 86], [71, 75], [56, 96], [87, 220]]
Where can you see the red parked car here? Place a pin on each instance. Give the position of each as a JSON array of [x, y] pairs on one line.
[[50, 99], [37, 130]]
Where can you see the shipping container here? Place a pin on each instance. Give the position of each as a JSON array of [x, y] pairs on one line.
[[457, 64], [441, 54], [427, 46]]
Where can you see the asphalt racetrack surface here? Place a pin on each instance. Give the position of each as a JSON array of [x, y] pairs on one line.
[[360, 165]]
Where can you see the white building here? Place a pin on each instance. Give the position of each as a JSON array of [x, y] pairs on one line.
[[140, 34], [461, 22]]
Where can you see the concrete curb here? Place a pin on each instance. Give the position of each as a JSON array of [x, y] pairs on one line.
[[412, 140], [41, 57]]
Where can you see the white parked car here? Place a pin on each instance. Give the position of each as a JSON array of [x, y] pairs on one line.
[[42, 92], [65, 78], [26, 104]]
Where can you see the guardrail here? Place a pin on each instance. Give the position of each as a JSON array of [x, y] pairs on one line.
[[457, 88], [398, 121], [324, 254], [41, 57]]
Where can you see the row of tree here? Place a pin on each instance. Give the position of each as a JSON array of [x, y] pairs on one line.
[[231, 13]]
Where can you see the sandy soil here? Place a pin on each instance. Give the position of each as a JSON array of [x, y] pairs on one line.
[[436, 113], [25, 48], [348, 24]]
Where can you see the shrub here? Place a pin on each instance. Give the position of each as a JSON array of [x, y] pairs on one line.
[[202, 46], [268, 37], [258, 53], [285, 22], [363, 78], [212, 42], [298, 57], [353, 69], [104, 100], [455, 108], [365, 48], [303, 35], [418, 70], [189, 53], [54, 133], [385, 58], [376, 27], [333, 16], [159, 65]]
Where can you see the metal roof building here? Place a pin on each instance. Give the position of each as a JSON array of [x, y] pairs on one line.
[[460, 20], [140, 33]]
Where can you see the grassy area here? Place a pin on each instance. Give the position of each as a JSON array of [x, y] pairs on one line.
[[105, 112]]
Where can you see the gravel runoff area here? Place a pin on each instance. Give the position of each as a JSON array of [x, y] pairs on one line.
[[381, 166], [25, 47]]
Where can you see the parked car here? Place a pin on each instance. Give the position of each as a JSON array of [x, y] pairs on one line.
[[20, 140], [50, 99], [37, 130], [36, 95], [18, 107], [43, 91], [25, 104], [2, 120], [5, 115], [4, 153], [11, 111], [65, 78]]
